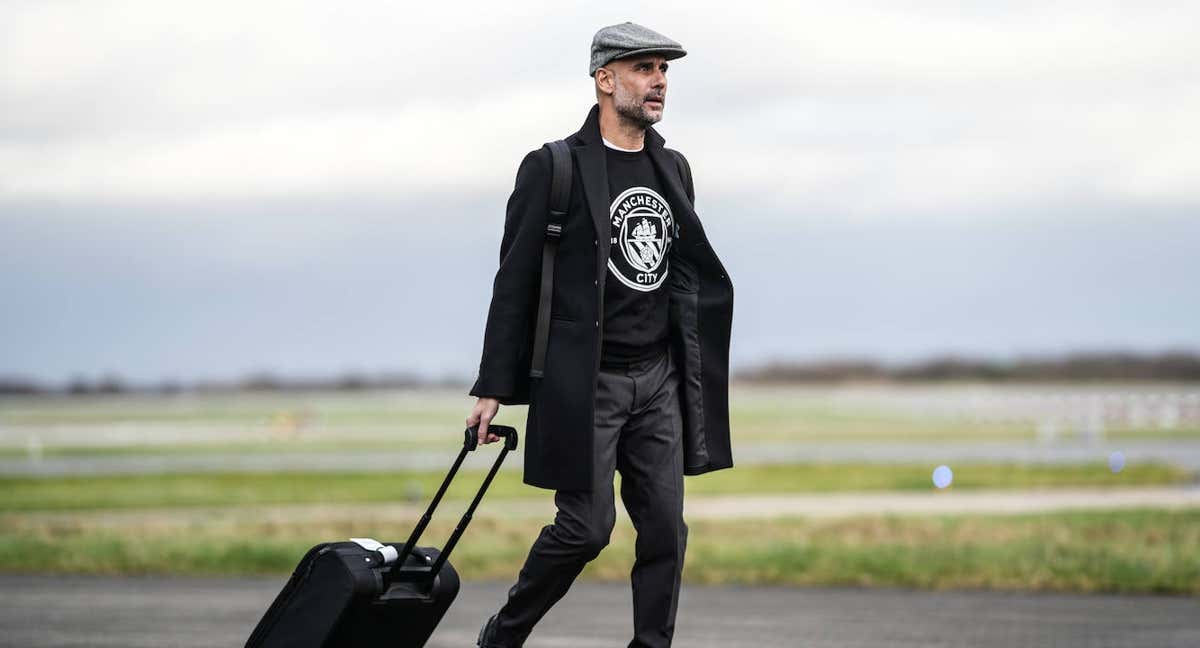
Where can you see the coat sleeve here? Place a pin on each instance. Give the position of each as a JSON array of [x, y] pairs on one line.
[[504, 364]]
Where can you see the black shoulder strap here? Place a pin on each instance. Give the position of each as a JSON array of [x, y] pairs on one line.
[[560, 192], [685, 172]]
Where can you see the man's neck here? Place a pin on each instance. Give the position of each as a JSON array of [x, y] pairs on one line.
[[621, 132]]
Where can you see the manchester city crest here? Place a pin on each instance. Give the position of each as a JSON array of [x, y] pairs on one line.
[[641, 226]]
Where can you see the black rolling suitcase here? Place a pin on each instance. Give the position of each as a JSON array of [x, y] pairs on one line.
[[363, 593]]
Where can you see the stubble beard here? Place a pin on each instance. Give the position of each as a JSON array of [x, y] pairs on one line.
[[633, 110]]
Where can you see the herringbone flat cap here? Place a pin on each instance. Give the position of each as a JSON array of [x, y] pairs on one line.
[[628, 39]]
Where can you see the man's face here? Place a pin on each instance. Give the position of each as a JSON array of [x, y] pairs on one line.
[[640, 88]]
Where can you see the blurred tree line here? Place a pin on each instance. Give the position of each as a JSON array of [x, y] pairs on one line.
[[259, 382], [1175, 366], [1072, 367]]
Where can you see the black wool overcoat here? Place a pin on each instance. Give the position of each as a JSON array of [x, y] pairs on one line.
[[558, 433]]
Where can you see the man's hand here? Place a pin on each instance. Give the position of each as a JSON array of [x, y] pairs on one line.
[[485, 410]]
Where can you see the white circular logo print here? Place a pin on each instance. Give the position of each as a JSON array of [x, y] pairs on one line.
[[641, 236]]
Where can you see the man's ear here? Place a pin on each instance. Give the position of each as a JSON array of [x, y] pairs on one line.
[[605, 81]]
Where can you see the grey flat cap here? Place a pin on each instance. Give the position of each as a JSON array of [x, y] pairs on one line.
[[628, 39]]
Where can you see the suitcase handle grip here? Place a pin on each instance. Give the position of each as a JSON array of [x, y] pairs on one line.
[[471, 436]]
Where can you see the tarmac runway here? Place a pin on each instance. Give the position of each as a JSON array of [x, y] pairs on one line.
[[132, 612]]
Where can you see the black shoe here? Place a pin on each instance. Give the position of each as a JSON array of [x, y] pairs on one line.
[[487, 633], [487, 636]]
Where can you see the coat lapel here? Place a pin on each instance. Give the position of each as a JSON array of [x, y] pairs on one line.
[[590, 156], [668, 173]]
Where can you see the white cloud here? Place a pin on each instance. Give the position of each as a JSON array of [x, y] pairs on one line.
[[861, 108], [418, 148]]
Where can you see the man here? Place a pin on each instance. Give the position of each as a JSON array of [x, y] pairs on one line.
[[637, 358]]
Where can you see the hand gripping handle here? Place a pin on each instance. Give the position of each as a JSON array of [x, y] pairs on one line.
[[471, 436]]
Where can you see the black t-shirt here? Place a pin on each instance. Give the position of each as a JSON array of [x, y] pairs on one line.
[[636, 289]]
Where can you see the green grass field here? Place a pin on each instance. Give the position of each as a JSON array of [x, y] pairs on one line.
[[1141, 551], [239, 489], [248, 524], [252, 523]]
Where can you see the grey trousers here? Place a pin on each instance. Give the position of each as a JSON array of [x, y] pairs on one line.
[[638, 431]]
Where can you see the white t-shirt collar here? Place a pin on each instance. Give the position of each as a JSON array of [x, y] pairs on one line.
[[614, 146]]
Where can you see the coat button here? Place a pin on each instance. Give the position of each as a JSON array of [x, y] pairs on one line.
[[595, 282], [595, 242], [597, 323]]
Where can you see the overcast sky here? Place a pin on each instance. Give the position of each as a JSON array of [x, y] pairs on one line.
[[205, 189]]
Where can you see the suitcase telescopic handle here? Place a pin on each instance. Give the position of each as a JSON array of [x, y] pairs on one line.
[[470, 442]]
